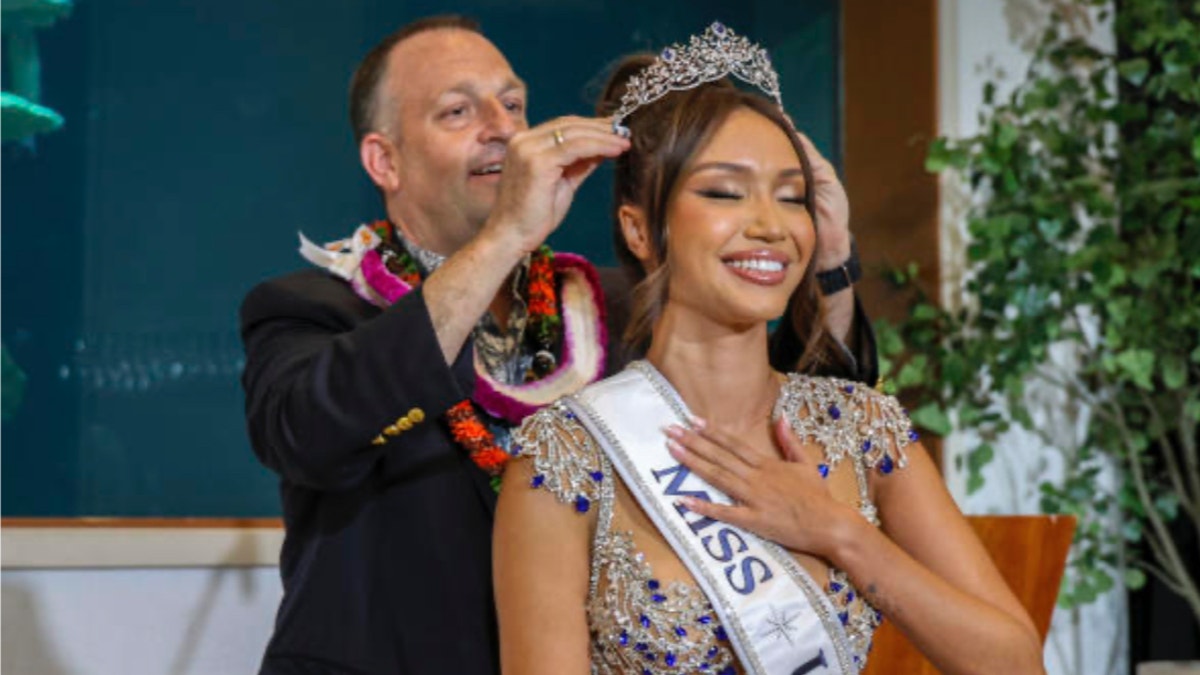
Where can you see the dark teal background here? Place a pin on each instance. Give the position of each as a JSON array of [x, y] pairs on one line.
[[200, 138]]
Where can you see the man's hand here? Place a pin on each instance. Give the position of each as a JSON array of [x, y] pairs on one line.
[[543, 168], [832, 206]]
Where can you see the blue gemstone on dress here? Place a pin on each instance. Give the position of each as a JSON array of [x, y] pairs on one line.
[[704, 665], [705, 620], [570, 415], [878, 616], [835, 587], [844, 617], [668, 54], [718, 28], [646, 671], [537, 481], [849, 389], [669, 659], [834, 412], [824, 470], [658, 597], [680, 631], [913, 435], [850, 597], [645, 621], [582, 504], [597, 476], [652, 584], [886, 465], [712, 652], [651, 657], [624, 639], [719, 631], [727, 670], [641, 646], [866, 446], [516, 450]]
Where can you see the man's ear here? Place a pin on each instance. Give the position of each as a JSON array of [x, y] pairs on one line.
[[381, 159], [636, 230]]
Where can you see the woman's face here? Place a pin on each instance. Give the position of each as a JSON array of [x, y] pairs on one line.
[[739, 233]]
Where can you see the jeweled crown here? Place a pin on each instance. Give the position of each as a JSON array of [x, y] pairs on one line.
[[711, 56]]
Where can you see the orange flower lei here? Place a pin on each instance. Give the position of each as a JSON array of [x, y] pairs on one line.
[[466, 428]]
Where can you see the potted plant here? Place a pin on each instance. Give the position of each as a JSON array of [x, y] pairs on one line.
[[1082, 284]]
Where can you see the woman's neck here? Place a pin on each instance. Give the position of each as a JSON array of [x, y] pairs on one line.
[[724, 375]]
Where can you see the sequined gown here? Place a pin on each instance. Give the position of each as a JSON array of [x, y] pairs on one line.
[[644, 624]]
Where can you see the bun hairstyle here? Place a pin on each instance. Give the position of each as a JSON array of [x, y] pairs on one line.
[[665, 136]]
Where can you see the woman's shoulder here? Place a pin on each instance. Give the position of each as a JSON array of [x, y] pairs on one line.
[[565, 459], [849, 418]]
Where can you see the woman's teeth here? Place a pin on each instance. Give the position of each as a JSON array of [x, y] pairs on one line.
[[756, 265]]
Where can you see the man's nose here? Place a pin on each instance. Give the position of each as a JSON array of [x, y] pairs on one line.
[[499, 123]]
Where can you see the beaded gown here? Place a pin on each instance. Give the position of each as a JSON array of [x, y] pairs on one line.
[[645, 622]]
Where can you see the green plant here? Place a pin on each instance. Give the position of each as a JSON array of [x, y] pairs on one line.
[[1082, 279]]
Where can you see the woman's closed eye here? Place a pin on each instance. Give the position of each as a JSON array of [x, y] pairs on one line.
[[719, 193]]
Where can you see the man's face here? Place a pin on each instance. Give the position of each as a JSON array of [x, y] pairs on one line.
[[450, 102]]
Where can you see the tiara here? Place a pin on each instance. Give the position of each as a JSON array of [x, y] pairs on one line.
[[713, 55]]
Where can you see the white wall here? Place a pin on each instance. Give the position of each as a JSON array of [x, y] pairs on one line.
[[982, 40], [136, 621]]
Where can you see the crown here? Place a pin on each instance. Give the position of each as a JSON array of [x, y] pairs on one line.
[[711, 56]]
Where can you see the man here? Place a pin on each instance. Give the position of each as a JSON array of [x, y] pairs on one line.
[[359, 383]]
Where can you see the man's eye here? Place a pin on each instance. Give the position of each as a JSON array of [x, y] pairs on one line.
[[802, 200], [456, 111], [515, 106]]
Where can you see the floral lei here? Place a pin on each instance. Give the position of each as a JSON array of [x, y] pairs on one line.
[[390, 262]]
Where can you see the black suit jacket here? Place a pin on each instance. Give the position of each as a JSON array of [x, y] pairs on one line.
[[386, 564]]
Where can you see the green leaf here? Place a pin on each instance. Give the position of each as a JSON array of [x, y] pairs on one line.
[[1134, 578], [936, 159], [1134, 70], [980, 457], [888, 338], [1174, 371], [1050, 229], [954, 370], [1192, 409], [930, 416], [914, 373], [974, 483], [1138, 365], [1196, 148], [1007, 135], [924, 312], [1167, 505]]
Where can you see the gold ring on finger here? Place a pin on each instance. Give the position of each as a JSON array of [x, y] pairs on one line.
[[559, 139]]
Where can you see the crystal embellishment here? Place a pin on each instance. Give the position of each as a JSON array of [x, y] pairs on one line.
[[713, 55]]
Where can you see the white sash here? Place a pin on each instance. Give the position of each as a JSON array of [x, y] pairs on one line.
[[778, 620]]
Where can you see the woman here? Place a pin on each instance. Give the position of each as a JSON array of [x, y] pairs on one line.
[[611, 553]]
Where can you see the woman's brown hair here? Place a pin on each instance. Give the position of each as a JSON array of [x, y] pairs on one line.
[[666, 135]]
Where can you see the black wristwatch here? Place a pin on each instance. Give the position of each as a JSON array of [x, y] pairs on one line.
[[840, 278]]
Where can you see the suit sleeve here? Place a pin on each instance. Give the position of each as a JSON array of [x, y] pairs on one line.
[[322, 379]]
